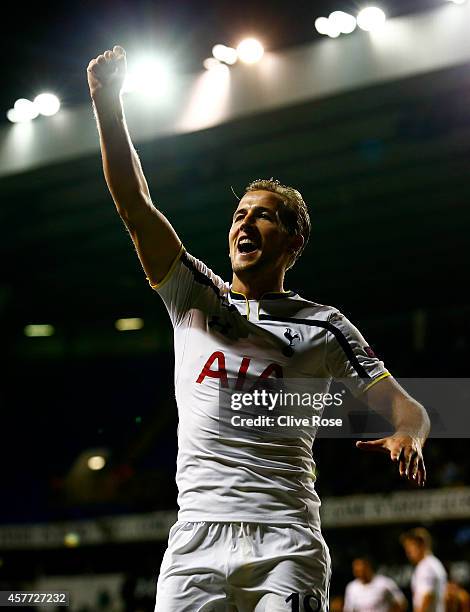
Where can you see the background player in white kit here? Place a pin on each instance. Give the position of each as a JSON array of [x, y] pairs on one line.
[[371, 592], [248, 534], [429, 580]]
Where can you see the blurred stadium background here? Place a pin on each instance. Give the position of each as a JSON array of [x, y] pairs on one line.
[[374, 129]]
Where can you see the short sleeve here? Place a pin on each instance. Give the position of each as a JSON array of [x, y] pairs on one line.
[[350, 358], [428, 580], [188, 283]]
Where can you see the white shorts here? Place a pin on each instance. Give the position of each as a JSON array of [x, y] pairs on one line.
[[243, 567]]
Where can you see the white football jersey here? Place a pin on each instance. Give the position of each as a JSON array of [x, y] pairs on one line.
[[378, 595], [223, 339], [429, 576]]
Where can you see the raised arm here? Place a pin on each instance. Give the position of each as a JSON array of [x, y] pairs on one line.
[[156, 241]]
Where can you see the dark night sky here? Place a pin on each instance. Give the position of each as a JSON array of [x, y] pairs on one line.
[[47, 46]]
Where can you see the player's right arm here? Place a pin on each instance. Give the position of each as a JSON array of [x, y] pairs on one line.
[[156, 241]]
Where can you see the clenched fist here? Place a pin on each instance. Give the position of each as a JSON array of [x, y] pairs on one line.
[[106, 74]]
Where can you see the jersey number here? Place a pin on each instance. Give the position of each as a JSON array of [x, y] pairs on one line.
[[310, 603]]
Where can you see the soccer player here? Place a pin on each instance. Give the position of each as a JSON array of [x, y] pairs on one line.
[[429, 580], [371, 592], [248, 533]]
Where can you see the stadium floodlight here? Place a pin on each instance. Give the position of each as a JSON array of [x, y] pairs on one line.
[[96, 462], [231, 56], [25, 110], [213, 65], [333, 31], [210, 63], [250, 51], [47, 104], [225, 54], [129, 324], [322, 25], [371, 18], [148, 76], [344, 22], [38, 330], [457, 1], [218, 51], [216, 67], [13, 116]]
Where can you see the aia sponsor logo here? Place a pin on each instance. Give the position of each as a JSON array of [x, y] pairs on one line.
[[215, 368]]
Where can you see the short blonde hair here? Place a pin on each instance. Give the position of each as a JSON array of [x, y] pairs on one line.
[[418, 534], [293, 214]]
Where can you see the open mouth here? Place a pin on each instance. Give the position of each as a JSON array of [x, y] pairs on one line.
[[247, 245]]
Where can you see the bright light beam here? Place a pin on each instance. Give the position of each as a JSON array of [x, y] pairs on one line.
[[208, 100]]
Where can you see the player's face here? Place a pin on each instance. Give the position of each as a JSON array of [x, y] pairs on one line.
[[362, 570], [413, 550], [257, 238]]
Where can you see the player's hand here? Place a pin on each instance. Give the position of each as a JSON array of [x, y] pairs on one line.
[[406, 450], [106, 74]]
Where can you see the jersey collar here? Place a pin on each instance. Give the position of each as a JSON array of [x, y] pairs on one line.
[[270, 295], [253, 308]]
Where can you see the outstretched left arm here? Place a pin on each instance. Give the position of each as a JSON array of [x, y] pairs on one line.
[[412, 427]]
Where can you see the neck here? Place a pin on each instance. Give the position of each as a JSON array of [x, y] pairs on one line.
[[254, 287]]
